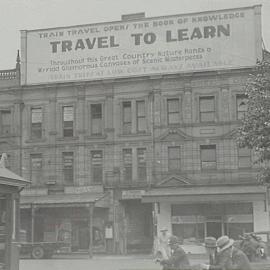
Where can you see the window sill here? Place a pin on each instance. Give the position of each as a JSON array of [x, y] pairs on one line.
[[35, 140], [91, 137], [67, 138], [135, 134]]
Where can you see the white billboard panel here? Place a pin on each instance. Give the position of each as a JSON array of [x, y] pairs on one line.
[[171, 44]]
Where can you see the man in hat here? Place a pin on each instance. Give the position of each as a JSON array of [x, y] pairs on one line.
[[229, 257], [178, 260], [210, 244]]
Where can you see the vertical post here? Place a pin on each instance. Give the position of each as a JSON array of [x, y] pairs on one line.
[[91, 216], [32, 223]]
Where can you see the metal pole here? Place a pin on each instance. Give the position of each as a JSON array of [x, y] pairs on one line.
[[91, 215]]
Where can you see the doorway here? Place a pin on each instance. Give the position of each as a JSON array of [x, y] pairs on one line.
[[214, 228]]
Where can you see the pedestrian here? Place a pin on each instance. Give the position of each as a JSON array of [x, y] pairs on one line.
[[178, 259], [163, 250], [210, 244], [229, 257]]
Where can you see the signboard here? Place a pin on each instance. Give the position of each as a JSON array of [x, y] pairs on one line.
[[132, 194], [170, 44], [187, 219]]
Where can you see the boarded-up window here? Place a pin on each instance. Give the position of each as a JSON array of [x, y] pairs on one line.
[[68, 118], [36, 169], [127, 162], [141, 163], [97, 166], [68, 167]]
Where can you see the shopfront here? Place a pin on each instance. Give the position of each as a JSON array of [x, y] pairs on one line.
[[138, 221], [194, 213], [67, 218], [10, 187]]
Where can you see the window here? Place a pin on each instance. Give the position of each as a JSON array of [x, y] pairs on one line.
[[173, 111], [68, 118], [174, 159], [36, 123], [141, 163], [97, 166], [127, 117], [244, 158], [36, 169], [241, 106], [208, 157], [141, 116], [207, 109], [68, 167], [127, 162], [5, 122], [96, 119]]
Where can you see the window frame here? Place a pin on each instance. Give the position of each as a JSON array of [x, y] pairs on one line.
[[95, 167], [129, 166], [31, 123], [3, 111], [244, 156], [144, 167], [174, 112], [101, 119], [213, 112], [240, 96], [140, 117], [126, 123], [170, 169], [65, 170], [208, 147], [40, 173], [63, 121]]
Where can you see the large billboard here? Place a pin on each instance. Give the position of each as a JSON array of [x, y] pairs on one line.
[[171, 44]]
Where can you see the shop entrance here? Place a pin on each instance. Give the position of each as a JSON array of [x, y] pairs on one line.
[[214, 228]]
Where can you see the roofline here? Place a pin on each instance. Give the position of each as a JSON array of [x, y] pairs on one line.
[[142, 19]]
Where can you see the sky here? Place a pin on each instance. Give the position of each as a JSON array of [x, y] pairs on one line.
[[16, 15]]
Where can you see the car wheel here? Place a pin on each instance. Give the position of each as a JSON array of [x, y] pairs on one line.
[[38, 253]]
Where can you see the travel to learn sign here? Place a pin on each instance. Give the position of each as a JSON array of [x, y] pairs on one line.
[[171, 44]]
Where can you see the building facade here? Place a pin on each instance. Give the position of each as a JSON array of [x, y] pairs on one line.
[[113, 160]]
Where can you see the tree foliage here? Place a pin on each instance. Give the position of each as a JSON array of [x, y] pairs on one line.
[[254, 131]]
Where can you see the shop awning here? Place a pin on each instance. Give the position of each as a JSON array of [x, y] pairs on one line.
[[64, 200], [9, 178], [206, 194]]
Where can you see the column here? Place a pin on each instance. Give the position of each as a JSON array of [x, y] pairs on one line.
[[32, 223], [91, 216]]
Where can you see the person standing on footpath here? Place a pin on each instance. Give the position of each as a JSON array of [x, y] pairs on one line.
[[179, 259], [163, 248], [229, 257], [210, 244]]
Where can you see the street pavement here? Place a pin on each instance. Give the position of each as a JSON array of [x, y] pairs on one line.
[[82, 262]]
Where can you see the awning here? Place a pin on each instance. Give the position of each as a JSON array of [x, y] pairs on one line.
[[206, 194], [65, 200], [9, 178]]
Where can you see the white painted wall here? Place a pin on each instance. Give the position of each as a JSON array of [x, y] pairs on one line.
[[164, 217], [260, 216]]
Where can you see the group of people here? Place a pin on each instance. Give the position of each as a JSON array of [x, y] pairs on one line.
[[222, 254]]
